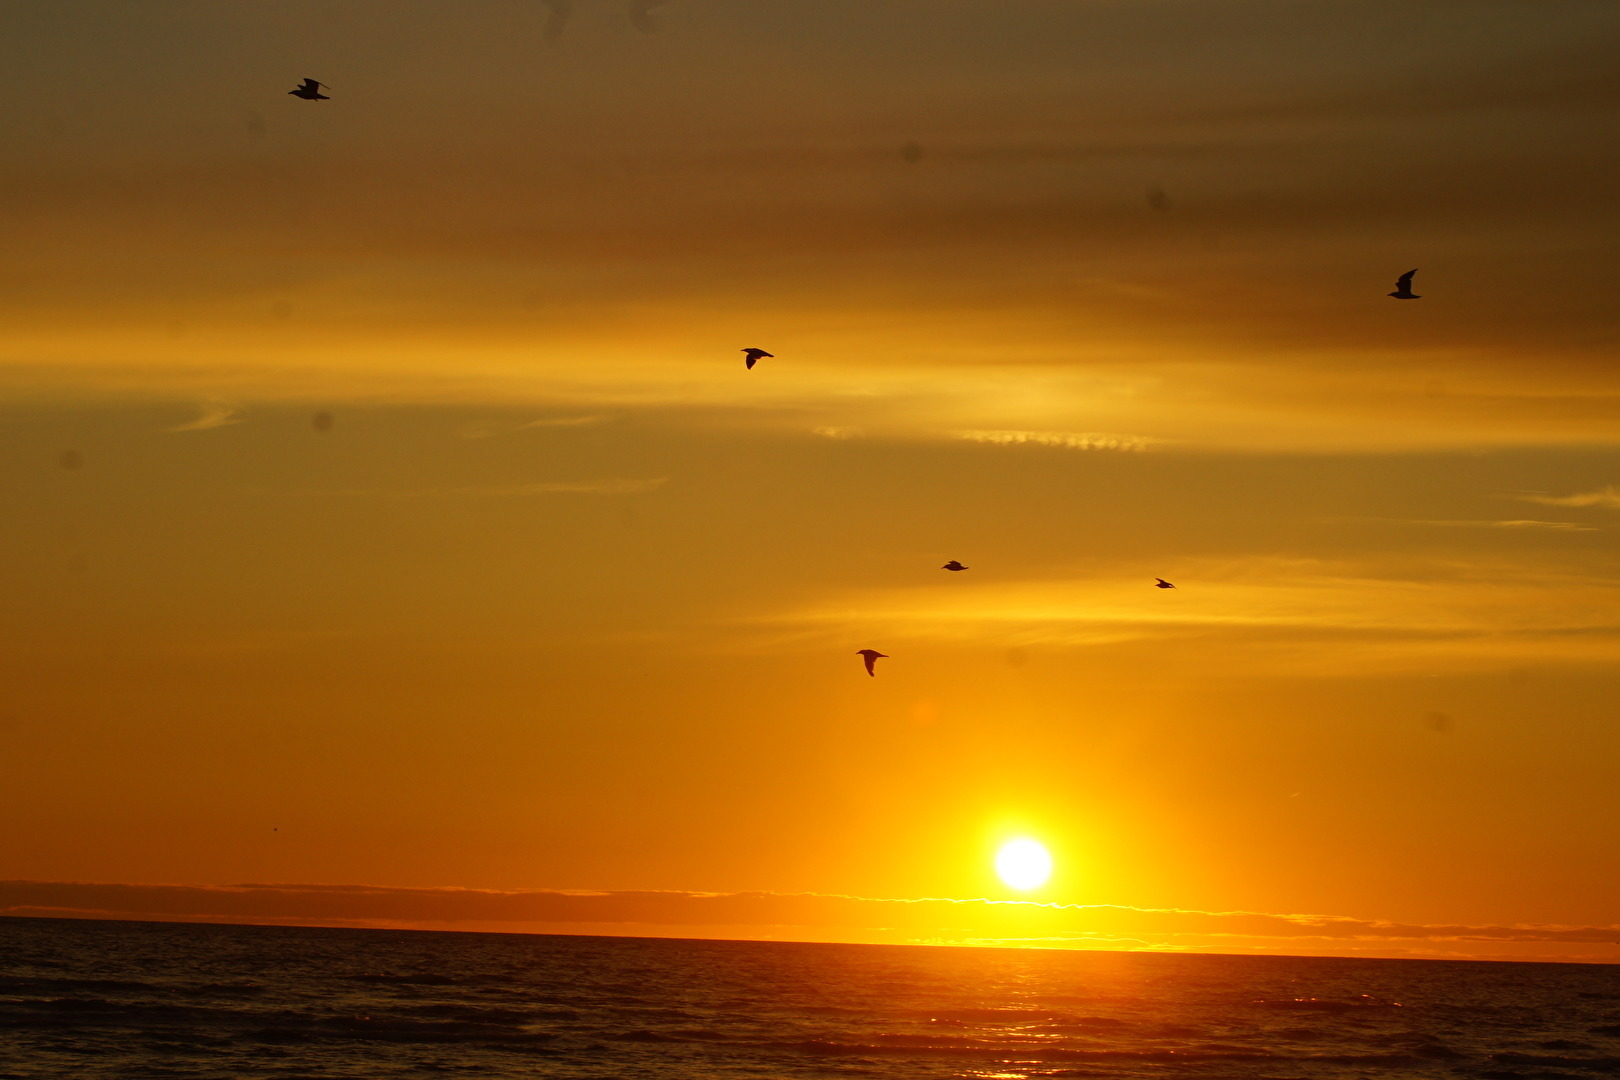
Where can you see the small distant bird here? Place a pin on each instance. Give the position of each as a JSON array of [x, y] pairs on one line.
[[753, 356], [1403, 287], [871, 656], [1162, 584], [953, 565], [310, 90]]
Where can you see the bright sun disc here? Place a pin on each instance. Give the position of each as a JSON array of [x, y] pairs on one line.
[[1023, 864]]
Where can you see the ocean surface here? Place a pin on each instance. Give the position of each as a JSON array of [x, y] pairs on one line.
[[130, 1000]]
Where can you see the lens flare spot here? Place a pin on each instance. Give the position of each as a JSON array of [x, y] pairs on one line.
[[1023, 864]]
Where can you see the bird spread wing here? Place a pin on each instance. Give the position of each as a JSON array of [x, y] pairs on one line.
[[1404, 284]]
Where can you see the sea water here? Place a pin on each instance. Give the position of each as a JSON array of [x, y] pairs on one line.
[[134, 1000]]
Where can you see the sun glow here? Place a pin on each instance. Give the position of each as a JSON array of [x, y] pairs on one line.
[[1023, 864]]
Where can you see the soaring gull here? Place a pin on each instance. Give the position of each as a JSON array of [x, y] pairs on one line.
[[310, 90], [1403, 287]]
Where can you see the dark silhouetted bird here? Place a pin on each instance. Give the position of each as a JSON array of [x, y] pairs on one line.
[[1162, 584], [1403, 287], [871, 656], [310, 90], [953, 565], [753, 356]]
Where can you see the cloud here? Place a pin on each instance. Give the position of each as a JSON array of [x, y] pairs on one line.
[[778, 915], [1072, 440], [1608, 498], [215, 414], [488, 429], [1375, 614], [567, 487], [1522, 523]]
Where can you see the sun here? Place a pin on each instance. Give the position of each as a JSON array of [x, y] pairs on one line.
[[1024, 864]]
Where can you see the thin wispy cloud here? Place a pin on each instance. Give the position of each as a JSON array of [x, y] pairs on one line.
[[1256, 612], [1521, 523], [1070, 440], [1607, 497], [215, 414], [489, 429], [566, 487]]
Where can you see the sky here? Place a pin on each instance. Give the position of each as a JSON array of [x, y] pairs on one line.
[[395, 536]]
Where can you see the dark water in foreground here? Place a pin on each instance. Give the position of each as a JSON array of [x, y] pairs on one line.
[[89, 999]]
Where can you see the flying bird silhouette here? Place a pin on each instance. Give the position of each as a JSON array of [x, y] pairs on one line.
[[871, 656], [1403, 287], [753, 356], [1162, 584], [310, 90], [953, 565]]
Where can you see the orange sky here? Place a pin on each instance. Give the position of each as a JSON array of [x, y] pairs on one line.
[[1079, 293]]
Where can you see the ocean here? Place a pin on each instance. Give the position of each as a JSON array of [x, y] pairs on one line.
[[123, 1000]]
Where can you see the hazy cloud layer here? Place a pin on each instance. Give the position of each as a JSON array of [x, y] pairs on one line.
[[1305, 156], [564, 487], [771, 914], [1608, 498], [1071, 440]]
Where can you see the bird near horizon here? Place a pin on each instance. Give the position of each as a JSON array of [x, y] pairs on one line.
[[310, 90], [1403, 287], [753, 356], [953, 565], [871, 657], [1160, 583]]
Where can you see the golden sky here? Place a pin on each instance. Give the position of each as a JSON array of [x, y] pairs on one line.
[[390, 513]]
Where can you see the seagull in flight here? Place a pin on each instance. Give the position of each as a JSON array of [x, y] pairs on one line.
[[310, 90], [753, 356], [953, 565], [1162, 584], [871, 656], [1403, 287]]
